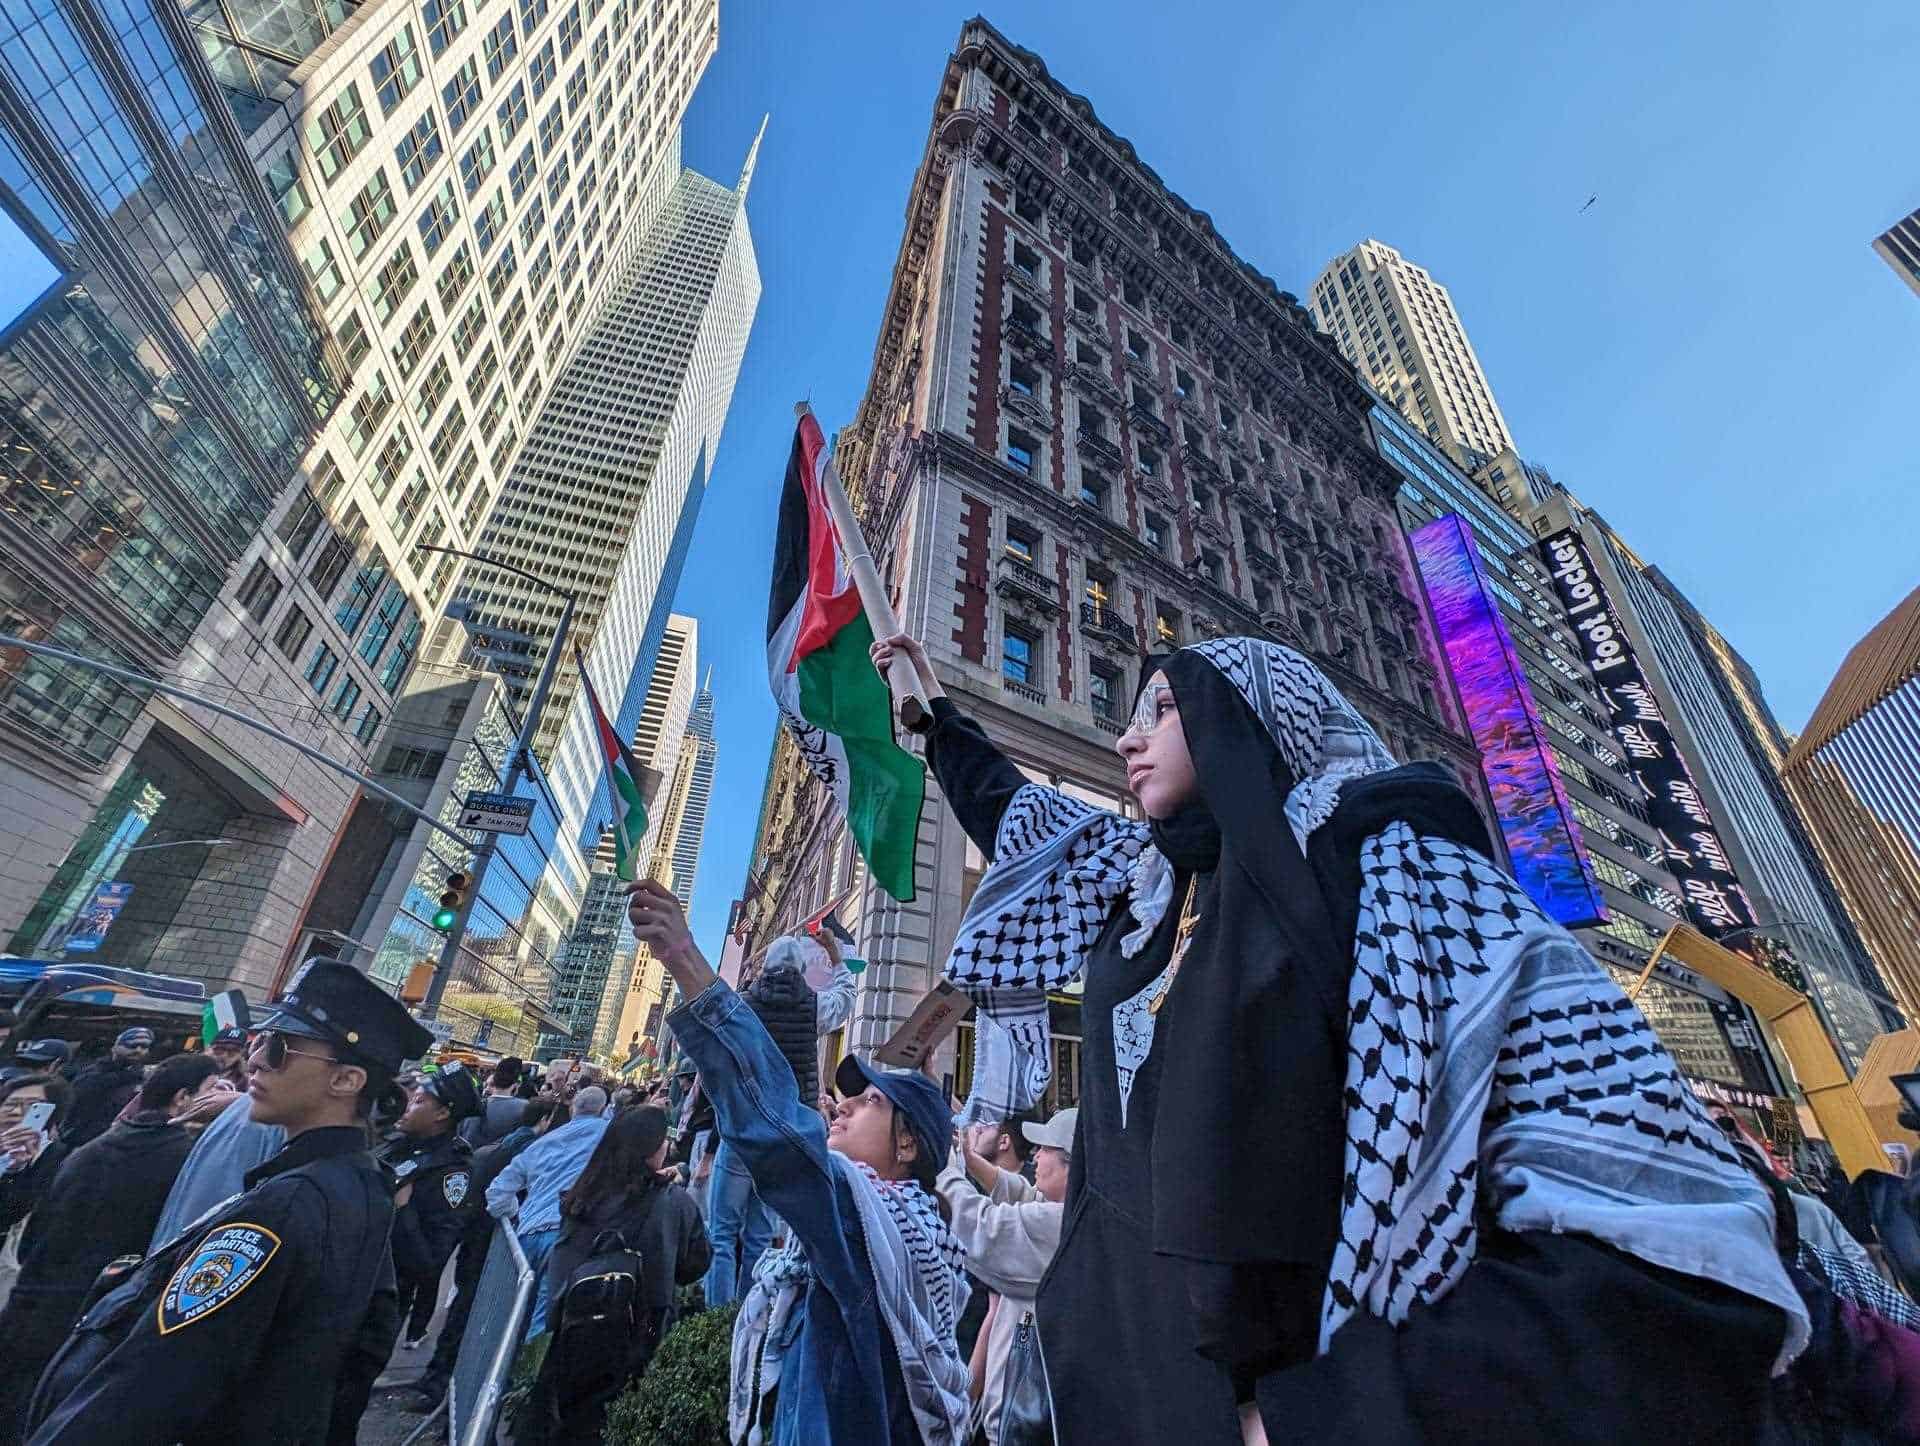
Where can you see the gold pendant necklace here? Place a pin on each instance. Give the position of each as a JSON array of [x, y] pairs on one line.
[[1183, 937]]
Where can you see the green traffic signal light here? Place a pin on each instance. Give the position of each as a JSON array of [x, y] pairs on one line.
[[454, 894]]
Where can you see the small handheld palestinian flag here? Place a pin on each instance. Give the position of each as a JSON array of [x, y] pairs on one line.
[[226, 1010], [623, 784], [835, 705]]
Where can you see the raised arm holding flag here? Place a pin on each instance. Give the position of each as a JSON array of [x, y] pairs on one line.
[[825, 607]]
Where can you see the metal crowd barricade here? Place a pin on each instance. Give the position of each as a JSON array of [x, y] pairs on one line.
[[501, 1303]]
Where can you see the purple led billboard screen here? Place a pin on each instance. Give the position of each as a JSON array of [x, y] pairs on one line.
[[1536, 818]]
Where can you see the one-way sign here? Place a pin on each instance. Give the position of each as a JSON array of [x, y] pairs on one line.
[[496, 813]]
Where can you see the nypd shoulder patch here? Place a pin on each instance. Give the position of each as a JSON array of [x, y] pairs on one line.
[[230, 1259], [455, 1183]]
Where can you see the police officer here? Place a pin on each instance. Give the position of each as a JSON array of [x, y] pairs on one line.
[[235, 1330], [229, 1051], [432, 1166]]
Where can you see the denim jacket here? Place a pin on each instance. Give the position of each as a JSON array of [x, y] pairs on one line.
[[841, 1381]]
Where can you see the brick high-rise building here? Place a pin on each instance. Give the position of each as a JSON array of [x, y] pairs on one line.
[[1091, 432], [1397, 325]]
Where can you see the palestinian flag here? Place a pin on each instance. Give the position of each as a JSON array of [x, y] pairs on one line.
[[226, 1010], [837, 707], [623, 784]]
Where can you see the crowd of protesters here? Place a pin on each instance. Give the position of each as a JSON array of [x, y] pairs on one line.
[[1363, 1148]]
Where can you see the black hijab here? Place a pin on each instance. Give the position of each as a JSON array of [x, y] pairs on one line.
[[1249, 1135]]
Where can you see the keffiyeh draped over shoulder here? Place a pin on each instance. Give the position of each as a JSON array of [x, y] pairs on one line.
[[1494, 1069], [920, 1286]]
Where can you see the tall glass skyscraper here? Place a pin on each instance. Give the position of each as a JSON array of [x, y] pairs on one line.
[[603, 499], [161, 379]]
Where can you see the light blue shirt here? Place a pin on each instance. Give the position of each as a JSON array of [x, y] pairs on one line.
[[545, 1170], [216, 1167]]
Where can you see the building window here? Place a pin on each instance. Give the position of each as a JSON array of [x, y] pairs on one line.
[[337, 134], [448, 437], [418, 149], [1215, 571], [295, 628], [351, 335], [401, 658], [1093, 421], [569, 30], [436, 221], [414, 340], [260, 591], [1022, 542], [1156, 530], [297, 528], [1093, 493], [1021, 452], [393, 281], [288, 190], [542, 69], [445, 20], [1084, 302], [1149, 462], [1182, 382], [1166, 625], [345, 698], [329, 565], [1026, 261], [499, 47], [1103, 692], [396, 69], [505, 267], [321, 667], [1137, 348], [323, 272], [368, 411], [1027, 208], [512, 112], [368, 725], [1016, 657], [1089, 355], [477, 164], [1134, 296], [439, 379], [455, 277], [390, 462], [523, 172], [462, 95], [1024, 379]]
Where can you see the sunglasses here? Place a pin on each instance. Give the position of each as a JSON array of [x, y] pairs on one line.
[[272, 1050], [1153, 707]]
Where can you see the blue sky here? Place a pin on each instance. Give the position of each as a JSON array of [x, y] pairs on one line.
[[1711, 356]]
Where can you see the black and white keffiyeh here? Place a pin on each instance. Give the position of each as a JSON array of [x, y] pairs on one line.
[[1494, 1069], [920, 1287]]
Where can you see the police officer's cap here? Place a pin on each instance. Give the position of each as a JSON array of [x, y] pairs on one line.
[[335, 1002], [455, 1088]]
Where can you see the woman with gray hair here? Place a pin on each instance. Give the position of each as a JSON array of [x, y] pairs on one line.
[[1369, 1148]]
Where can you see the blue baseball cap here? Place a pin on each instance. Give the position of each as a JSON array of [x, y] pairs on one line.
[[912, 1094]]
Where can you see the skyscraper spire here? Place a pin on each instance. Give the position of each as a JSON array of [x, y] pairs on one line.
[[753, 159]]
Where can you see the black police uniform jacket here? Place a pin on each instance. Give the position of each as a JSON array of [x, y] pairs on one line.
[[428, 1227], [234, 1331]]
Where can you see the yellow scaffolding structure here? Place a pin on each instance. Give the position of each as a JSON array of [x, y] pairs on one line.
[[1796, 1027]]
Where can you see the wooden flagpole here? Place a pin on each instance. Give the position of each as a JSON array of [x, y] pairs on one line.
[[909, 702]]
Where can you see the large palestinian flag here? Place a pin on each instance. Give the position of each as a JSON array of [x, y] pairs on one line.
[[837, 707]]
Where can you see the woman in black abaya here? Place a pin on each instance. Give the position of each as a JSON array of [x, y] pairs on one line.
[[1312, 1195]]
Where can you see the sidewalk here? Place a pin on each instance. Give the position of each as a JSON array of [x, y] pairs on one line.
[[385, 1424]]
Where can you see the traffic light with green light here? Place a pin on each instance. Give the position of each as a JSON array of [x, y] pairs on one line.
[[452, 896]]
